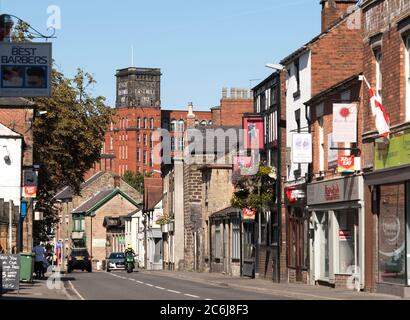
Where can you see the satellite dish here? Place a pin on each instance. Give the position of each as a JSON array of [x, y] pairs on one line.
[[273, 174]]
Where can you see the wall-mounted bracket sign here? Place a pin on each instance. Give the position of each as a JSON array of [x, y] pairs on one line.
[[25, 69]]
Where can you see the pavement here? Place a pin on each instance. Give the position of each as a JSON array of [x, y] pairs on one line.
[[175, 285], [45, 289], [285, 290]]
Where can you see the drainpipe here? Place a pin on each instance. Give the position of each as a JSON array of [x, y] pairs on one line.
[[279, 178], [195, 252]]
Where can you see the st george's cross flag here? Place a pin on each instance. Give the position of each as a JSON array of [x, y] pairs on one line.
[[381, 118]]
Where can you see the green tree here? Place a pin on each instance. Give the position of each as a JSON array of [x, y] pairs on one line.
[[67, 139], [134, 180]]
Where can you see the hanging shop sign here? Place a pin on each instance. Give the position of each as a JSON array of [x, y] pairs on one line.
[[346, 164], [302, 148], [249, 214], [345, 122], [25, 69], [242, 163], [393, 152], [253, 130], [30, 184]]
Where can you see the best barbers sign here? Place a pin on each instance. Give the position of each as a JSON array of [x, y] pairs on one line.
[[25, 69]]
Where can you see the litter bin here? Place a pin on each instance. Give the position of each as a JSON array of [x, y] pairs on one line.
[[26, 267]]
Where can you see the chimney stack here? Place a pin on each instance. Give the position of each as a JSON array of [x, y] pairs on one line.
[[333, 10], [191, 116], [117, 181]]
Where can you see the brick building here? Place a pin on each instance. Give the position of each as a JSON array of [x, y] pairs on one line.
[[130, 142], [327, 60], [386, 28], [335, 198]]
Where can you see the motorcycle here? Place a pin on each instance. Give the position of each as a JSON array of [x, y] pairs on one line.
[[129, 263]]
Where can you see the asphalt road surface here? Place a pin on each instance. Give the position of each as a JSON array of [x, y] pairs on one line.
[[120, 285]]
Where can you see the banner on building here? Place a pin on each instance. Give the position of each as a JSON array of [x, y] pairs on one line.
[[254, 133], [30, 184], [242, 163], [346, 164], [25, 69], [302, 148], [249, 214], [345, 122]]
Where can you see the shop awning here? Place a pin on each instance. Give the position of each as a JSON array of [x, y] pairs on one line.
[[335, 206]]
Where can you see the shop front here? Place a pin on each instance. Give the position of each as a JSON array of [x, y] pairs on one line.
[[297, 233], [390, 188], [336, 210]]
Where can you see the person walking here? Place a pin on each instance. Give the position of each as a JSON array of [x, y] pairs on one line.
[[39, 251]]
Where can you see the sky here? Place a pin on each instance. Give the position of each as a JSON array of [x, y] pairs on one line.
[[201, 46]]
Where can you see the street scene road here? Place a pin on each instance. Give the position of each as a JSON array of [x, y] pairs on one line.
[[147, 286]]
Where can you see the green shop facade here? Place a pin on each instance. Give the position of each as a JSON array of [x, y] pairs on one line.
[[388, 218]]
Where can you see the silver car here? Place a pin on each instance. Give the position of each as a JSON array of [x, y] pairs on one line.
[[116, 261]]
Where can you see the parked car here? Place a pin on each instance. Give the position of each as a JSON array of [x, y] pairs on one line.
[[79, 259], [116, 261]]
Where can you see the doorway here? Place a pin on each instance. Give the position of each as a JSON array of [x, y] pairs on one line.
[[297, 239]]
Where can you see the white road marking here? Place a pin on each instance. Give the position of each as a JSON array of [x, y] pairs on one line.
[[75, 291], [191, 295], [160, 288], [208, 299], [173, 291], [140, 282], [149, 285]]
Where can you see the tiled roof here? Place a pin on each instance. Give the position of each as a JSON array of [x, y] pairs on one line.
[[68, 193]]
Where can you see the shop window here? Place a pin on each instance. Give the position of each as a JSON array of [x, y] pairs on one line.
[[392, 226], [236, 239], [348, 240], [218, 240], [323, 238]]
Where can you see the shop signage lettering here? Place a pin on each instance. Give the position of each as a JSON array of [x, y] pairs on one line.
[[25, 69], [345, 235], [344, 123], [332, 192], [338, 190], [346, 164], [248, 214]]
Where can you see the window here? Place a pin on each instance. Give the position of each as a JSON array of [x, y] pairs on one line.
[[379, 78], [145, 157], [78, 223], [111, 143], [145, 123], [138, 155], [181, 126], [210, 123], [151, 123], [196, 123], [297, 76], [172, 144], [321, 145], [138, 138], [407, 72], [173, 125], [236, 247], [150, 142], [145, 139], [180, 144], [203, 123], [139, 123], [218, 240], [274, 95]]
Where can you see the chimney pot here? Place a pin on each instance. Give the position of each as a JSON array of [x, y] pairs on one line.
[[117, 181]]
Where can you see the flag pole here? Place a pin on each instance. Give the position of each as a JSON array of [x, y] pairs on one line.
[[363, 78]]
